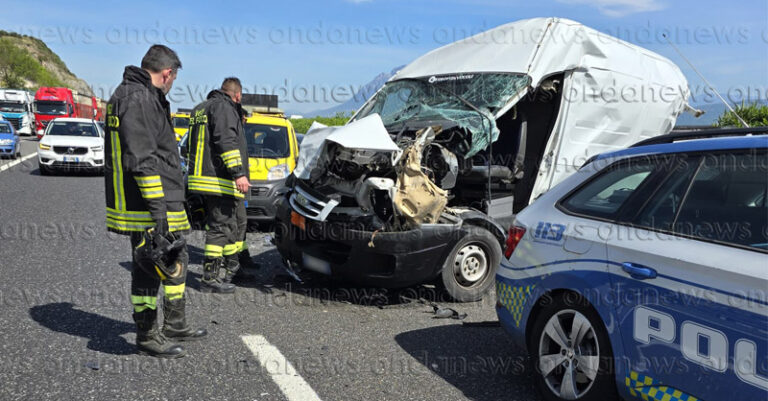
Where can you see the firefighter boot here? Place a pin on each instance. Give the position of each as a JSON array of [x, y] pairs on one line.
[[212, 280], [149, 340], [232, 268], [175, 325]]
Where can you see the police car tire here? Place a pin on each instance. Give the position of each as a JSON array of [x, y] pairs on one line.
[[492, 249], [604, 386], [44, 170]]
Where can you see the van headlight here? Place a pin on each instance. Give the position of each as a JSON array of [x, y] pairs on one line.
[[45, 147], [278, 172]]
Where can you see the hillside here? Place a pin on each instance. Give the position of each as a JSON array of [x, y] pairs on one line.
[[26, 62]]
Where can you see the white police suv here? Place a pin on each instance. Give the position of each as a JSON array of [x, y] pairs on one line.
[[644, 274]]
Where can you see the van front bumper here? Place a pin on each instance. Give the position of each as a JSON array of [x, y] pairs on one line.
[[381, 259]]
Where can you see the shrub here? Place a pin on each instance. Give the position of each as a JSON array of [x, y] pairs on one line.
[[756, 115]]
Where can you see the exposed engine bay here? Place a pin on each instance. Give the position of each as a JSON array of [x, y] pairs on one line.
[[388, 190]]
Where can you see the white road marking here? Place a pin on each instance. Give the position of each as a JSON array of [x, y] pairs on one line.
[[282, 372], [6, 166]]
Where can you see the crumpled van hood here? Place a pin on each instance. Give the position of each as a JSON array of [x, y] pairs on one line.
[[365, 134]]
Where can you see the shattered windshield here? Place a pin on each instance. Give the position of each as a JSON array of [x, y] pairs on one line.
[[440, 97]]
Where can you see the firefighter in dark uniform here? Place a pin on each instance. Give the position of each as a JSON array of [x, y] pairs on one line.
[[218, 170], [145, 199]]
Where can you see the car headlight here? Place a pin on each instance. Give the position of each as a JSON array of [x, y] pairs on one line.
[[6, 141], [97, 148], [45, 147], [278, 172]]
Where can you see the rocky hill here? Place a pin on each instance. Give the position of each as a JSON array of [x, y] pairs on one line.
[[27, 63]]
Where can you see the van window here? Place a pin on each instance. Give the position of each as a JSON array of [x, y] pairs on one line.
[[603, 196], [180, 122], [267, 141], [727, 201]]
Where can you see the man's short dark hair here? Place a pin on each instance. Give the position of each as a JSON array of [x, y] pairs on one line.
[[231, 85], [160, 57]]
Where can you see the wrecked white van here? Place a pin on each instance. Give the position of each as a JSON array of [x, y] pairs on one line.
[[421, 183]]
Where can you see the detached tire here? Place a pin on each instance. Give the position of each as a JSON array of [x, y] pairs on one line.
[[469, 270], [579, 366]]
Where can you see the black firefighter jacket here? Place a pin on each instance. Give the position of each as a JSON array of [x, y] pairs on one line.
[[218, 152], [143, 177]]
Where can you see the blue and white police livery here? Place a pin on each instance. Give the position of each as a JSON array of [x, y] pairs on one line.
[[644, 275]]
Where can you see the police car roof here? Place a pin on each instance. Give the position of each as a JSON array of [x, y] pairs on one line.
[[695, 145]]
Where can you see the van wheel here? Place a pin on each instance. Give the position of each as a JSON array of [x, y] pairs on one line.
[[571, 352], [470, 269]]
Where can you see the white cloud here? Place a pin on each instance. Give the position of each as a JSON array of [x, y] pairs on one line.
[[620, 8]]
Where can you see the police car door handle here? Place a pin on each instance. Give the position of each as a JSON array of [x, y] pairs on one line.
[[638, 272]]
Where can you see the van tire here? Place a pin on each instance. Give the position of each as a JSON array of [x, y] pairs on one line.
[[469, 271]]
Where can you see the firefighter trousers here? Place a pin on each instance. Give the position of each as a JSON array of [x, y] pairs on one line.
[[226, 226], [145, 286]]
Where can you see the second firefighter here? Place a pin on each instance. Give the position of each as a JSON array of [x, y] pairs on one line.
[[218, 170]]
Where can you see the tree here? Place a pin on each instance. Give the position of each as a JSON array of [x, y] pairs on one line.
[[756, 115]]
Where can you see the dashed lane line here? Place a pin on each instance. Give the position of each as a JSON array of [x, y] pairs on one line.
[[293, 386], [6, 166]]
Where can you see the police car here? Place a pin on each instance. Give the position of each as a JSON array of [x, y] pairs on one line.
[[644, 274]]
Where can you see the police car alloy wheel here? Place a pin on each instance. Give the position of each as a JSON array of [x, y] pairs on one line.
[[469, 270], [572, 356]]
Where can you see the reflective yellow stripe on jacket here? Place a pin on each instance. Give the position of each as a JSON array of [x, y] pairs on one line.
[[151, 186], [232, 158], [129, 221], [214, 185]]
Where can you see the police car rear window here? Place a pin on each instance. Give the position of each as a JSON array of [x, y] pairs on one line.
[[727, 201], [603, 196]]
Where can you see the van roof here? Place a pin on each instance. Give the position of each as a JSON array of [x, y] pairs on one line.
[[270, 119], [540, 47]]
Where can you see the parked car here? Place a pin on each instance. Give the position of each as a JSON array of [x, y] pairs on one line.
[[10, 145], [644, 274], [71, 144], [421, 183]]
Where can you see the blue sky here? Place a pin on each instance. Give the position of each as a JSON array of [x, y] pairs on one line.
[[317, 52]]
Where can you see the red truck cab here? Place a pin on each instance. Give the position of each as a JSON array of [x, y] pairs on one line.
[[52, 102]]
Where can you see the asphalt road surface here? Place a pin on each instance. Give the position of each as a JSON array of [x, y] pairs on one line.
[[66, 330]]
